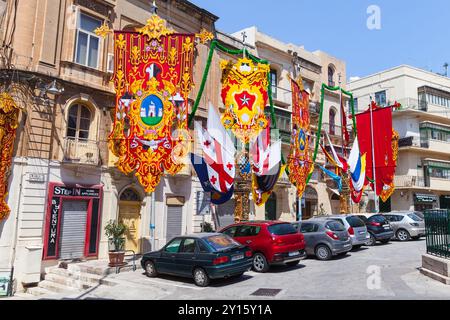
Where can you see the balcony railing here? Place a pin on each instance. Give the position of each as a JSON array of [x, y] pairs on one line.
[[411, 103], [409, 181], [81, 151]]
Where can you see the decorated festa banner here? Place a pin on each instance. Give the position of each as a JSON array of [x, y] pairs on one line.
[[300, 164], [153, 79], [9, 121], [384, 148], [244, 94]]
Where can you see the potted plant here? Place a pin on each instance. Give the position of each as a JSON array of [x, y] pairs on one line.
[[115, 232]]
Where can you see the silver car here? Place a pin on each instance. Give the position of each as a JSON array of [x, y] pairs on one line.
[[324, 238], [355, 227], [406, 225]]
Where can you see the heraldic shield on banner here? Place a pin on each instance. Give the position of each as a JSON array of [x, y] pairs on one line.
[[153, 79], [244, 94], [300, 164]]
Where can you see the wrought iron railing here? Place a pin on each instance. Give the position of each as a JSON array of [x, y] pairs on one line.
[[437, 228], [409, 181]]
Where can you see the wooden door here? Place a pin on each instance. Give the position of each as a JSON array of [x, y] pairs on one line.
[[130, 215]]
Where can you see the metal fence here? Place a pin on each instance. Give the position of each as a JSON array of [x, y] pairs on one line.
[[437, 225]]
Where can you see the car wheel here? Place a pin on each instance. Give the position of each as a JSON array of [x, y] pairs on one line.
[[371, 242], [150, 269], [323, 253], [201, 278], [403, 235], [293, 263], [260, 263]]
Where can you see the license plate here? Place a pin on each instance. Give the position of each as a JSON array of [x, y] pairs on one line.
[[293, 254], [238, 257]]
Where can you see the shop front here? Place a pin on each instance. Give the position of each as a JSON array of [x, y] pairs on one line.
[[72, 224], [424, 202]]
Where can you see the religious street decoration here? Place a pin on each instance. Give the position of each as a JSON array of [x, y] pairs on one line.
[[244, 94], [383, 150], [153, 78], [9, 121], [300, 164]]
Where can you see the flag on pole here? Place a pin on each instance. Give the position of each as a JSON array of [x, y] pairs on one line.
[[334, 176], [357, 168]]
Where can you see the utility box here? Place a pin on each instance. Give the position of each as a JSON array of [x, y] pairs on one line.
[[31, 268]]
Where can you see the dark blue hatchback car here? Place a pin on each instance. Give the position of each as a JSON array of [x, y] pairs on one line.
[[203, 257]]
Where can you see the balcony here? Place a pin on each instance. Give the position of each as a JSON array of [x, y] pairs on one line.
[[442, 184], [81, 151], [409, 182]]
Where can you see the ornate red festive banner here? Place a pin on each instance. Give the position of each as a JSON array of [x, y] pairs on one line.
[[244, 94], [300, 164], [384, 149], [153, 79], [9, 115]]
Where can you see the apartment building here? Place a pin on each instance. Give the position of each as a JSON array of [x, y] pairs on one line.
[[423, 122], [63, 186]]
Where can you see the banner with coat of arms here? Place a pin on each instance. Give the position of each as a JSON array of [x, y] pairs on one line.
[[300, 164], [244, 94], [9, 122], [153, 79]]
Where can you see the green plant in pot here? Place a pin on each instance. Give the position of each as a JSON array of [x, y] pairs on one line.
[[115, 231]]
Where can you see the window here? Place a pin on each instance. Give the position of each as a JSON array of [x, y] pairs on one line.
[[231, 231], [332, 130], [130, 195], [380, 98], [87, 42], [335, 226], [173, 246], [79, 122], [309, 227], [274, 82], [355, 105], [282, 229], [188, 246], [330, 76], [248, 231], [355, 222], [202, 247], [222, 242]]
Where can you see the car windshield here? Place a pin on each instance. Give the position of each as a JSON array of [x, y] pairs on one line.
[[335, 226], [378, 218], [222, 242], [363, 218], [414, 217], [355, 222], [282, 229]]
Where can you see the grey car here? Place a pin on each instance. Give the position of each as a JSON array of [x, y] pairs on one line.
[[355, 227], [406, 225], [324, 238]]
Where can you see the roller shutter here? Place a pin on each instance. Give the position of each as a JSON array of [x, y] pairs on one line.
[[73, 231]]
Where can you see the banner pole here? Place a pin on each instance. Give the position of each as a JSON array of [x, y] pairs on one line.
[[377, 203]]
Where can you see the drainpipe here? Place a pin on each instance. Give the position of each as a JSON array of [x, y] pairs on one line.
[[152, 221]]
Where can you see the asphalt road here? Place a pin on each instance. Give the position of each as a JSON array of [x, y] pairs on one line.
[[381, 272]]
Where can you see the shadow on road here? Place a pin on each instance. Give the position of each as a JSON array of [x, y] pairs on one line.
[[214, 282], [281, 269]]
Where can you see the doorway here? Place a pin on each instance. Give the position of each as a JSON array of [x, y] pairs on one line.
[[130, 215], [73, 230], [271, 208]]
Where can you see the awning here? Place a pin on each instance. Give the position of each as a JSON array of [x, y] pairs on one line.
[[425, 198]]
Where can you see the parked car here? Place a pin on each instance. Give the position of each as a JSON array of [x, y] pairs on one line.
[[324, 238], [203, 257], [378, 227], [419, 214], [406, 225], [272, 242], [355, 227]]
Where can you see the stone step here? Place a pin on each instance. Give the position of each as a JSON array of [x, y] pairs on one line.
[[57, 287], [86, 279], [70, 281], [436, 276], [38, 291]]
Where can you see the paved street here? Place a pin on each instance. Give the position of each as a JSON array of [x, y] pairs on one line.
[[349, 277]]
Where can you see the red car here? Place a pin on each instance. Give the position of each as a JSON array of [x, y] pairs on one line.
[[272, 242]]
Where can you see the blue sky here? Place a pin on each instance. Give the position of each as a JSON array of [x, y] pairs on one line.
[[412, 32]]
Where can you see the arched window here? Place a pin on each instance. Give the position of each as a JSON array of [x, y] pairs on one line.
[[331, 76], [130, 195], [79, 122], [332, 122]]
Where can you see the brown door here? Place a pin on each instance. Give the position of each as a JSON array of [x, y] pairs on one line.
[[130, 215]]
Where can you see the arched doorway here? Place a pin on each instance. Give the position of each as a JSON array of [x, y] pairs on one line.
[[311, 202], [335, 204], [130, 214], [271, 208]]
